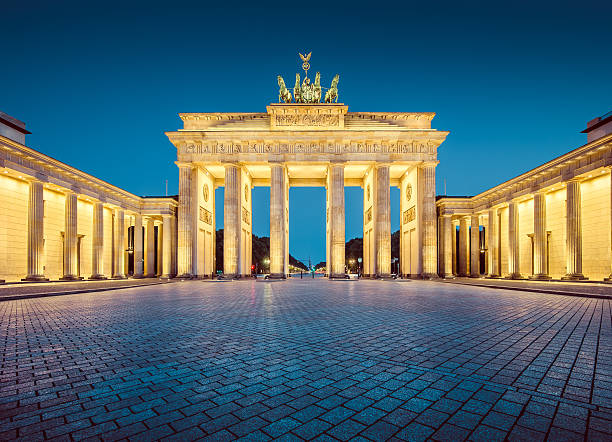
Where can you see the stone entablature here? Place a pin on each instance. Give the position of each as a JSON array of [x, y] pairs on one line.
[[578, 163], [33, 165]]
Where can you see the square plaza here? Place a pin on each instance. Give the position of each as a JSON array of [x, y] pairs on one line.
[[306, 359]]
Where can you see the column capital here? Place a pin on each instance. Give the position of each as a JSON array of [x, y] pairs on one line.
[[184, 165], [425, 164]]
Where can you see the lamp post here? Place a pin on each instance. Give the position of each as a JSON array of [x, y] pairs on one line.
[[359, 260]]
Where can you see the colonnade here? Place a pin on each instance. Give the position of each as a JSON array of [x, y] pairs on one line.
[[144, 257], [467, 250], [238, 209]]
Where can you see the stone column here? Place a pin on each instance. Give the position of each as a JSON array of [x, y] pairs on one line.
[[118, 245], [573, 240], [277, 221], [540, 263], [475, 247], [97, 242], [149, 248], [455, 269], [167, 247], [70, 238], [160, 249], [138, 247], [336, 209], [231, 221], [383, 221], [493, 262], [185, 222], [35, 233], [447, 245], [513, 242], [429, 251], [463, 246]]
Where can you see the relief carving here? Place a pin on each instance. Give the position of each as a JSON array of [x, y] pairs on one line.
[[409, 215], [245, 216], [205, 216]]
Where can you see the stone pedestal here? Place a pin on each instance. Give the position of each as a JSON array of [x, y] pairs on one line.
[[336, 269], [35, 233], [573, 244], [70, 238]]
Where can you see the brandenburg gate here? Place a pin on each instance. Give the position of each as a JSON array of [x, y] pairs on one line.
[[301, 141]]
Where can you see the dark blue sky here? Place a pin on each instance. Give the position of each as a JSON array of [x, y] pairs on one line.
[[514, 82]]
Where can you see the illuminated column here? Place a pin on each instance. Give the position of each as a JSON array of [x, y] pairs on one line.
[[160, 249], [447, 246], [429, 235], [540, 264], [463, 246], [167, 247], [475, 247], [455, 248], [149, 248], [493, 270], [513, 241], [185, 222], [336, 209], [138, 247], [119, 245], [97, 242], [231, 221], [277, 221], [383, 221], [70, 237], [35, 232], [573, 240]]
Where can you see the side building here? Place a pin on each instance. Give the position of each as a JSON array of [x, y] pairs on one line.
[[553, 222], [57, 222]]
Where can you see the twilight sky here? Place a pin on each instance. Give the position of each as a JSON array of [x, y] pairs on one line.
[[99, 82]]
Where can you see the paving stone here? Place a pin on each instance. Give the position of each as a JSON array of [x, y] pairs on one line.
[[306, 359]]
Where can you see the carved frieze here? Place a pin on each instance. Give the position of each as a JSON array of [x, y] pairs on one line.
[[368, 216]]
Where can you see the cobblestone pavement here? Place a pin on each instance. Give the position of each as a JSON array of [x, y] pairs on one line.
[[306, 359], [590, 288], [24, 290]]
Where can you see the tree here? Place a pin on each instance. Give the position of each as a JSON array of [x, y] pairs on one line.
[[260, 253]]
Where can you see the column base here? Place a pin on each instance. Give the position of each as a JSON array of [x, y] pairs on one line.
[[514, 276], [540, 277], [71, 278], [277, 276], [119, 277], [574, 277], [35, 278], [492, 277], [149, 275], [447, 276], [98, 277], [429, 276], [475, 275], [183, 276], [134, 276], [338, 276]]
